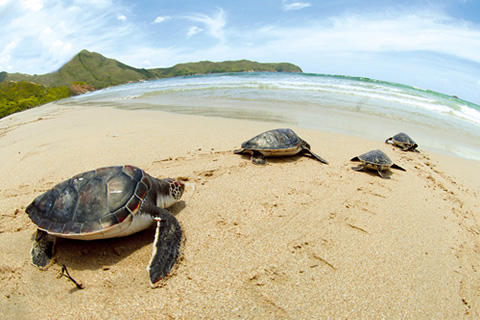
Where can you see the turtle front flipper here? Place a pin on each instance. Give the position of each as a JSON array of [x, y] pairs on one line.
[[359, 168], [258, 158], [42, 249], [383, 174], [166, 247], [413, 147]]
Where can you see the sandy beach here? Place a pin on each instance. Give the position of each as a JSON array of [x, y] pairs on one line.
[[295, 239]]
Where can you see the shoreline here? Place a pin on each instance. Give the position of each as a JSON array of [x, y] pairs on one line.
[[434, 132], [288, 240]]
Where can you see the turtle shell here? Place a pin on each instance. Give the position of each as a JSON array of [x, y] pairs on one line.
[[403, 138], [90, 202], [282, 140], [376, 157]]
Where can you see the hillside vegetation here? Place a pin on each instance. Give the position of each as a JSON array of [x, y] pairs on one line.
[[22, 95], [205, 67], [89, 71]]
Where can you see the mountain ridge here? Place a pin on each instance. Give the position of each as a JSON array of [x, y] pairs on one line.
[[101, 72], [90, 71]]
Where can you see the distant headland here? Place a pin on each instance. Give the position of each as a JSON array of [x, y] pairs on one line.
[[90, 71]]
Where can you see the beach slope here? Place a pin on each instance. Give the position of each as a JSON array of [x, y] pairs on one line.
[[294, 239]]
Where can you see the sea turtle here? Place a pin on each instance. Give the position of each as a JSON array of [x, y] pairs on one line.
[[403, 141], [106, 203], [376, 160], [276, 143]]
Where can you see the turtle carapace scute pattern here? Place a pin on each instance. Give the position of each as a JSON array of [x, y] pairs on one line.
[[276, 143], [105, 203], [376, 160], [403, 141]]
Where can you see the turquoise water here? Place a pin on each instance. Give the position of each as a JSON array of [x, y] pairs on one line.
[[355, 106]]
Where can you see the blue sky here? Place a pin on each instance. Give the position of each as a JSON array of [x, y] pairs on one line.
[[429, 44]]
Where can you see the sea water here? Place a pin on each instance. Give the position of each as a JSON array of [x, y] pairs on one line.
[[350, 105]]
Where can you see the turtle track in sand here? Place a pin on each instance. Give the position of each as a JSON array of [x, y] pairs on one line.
[[315, 211], [460, 211], [355, 213]]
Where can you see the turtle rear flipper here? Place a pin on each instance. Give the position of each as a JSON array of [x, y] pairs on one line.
[[42, 249], [306, 150], [315, 156], [166, 246], [397, 167]]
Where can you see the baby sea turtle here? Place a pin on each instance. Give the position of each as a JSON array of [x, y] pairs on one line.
[[376, 160], [403, 141], [106, 203], [276, 143]]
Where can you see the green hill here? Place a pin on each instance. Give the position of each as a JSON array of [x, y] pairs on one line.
[[205, 67], [89, 71], [22, 95], [100, 72], [88, 67]]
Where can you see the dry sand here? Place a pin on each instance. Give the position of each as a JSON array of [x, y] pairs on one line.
[[295, 239]]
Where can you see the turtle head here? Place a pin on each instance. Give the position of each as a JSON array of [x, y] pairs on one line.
[[176, 188], [304, 144], [175, 191]]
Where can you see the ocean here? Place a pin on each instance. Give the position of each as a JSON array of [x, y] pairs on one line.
[[349, 105]]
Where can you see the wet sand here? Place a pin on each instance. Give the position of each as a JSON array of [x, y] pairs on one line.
[[295, 239]]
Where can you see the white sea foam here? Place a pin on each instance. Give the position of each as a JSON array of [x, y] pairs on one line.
[[301, 99]]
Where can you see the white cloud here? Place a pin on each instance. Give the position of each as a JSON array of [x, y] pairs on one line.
[[193, 31], [96, 3], [46, 33], [47, 38], [9, 47], [160, 19], [40, 41], [34, 5], [153, 57], [121, 17], [214, 25], [286, 6], [5, 55], [375, 33], [61, 47]]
